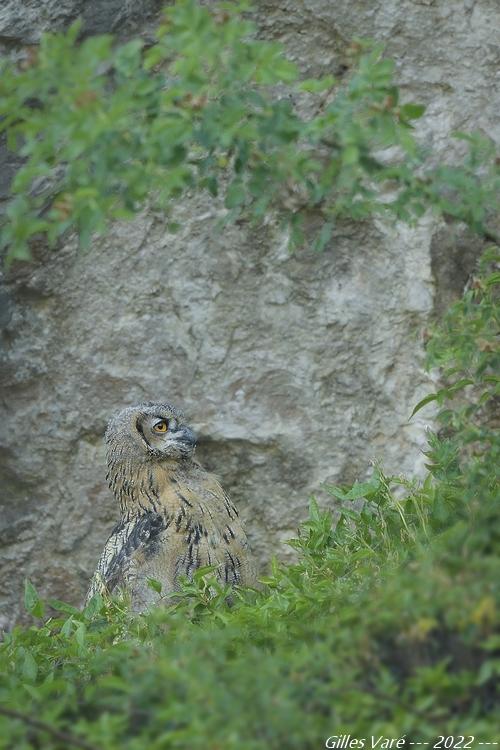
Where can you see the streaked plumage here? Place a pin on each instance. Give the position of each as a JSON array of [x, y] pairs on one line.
[[175, 516]]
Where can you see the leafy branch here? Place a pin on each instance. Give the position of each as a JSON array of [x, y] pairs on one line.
[[106, 128]]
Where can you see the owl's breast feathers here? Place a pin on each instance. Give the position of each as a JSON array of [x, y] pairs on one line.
[[173, 522]]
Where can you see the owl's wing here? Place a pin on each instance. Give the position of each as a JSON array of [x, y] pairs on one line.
[[239, 567], [230, 550], [127, 542]]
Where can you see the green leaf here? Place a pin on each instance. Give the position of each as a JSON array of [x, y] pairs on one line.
[[94, 606], [361, 489], [337, 492], [324, 236], [426, 400], [155, 585], [127, 58], [350, 155], [32, 601], [174, 226], [80, 633], [235, 195], [67, 628], [317, 85], [411, 111], [29, 668], [459, 385], [489, 669], [203, 571], [357, 491], [63, 607]]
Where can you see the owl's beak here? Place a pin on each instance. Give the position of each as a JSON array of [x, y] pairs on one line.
[[186, 436]]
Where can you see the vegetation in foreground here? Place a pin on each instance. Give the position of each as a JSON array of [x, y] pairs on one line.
[[388, 624]]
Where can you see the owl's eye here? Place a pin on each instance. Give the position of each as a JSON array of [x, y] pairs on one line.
[[160, 426]]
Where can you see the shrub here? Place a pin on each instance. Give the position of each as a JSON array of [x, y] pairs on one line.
[[388, 623], [106, 128]]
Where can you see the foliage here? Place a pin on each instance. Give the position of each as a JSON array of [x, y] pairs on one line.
[[466, 348], [388, 623], [104, 128]]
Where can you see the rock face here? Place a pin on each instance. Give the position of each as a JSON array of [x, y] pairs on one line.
[[23, 22], [297, 370]]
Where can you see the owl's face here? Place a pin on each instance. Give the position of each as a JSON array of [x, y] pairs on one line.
[[150, 431]]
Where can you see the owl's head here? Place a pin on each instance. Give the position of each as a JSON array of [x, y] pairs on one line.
[[149, 432]]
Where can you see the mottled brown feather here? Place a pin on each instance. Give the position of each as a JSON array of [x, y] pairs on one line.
[[175, 519]]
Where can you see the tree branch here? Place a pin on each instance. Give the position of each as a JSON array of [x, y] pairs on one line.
[[42, 726]]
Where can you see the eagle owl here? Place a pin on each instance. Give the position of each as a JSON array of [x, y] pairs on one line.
[[175, 516]]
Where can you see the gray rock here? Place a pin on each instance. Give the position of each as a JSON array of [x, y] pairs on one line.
[[297, 370], [24, 22]]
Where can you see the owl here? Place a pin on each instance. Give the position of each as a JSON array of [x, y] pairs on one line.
[[175, 516]]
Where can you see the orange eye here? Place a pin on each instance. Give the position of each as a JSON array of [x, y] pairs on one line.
[[161, 426]]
